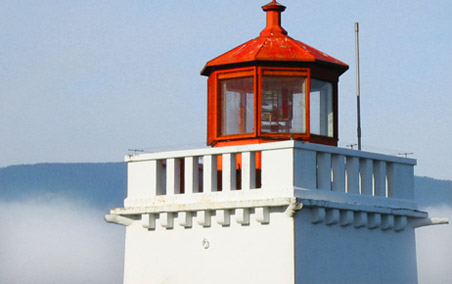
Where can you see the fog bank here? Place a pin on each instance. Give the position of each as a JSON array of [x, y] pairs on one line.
[[58, 241], [434, 249]]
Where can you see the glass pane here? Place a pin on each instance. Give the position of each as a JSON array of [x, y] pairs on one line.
[[321, 108], [237, 106], [283, 105]]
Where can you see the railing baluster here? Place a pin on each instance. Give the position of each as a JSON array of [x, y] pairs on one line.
[[157, 172], [229, 172], [248, 170], [352, 168], [210, 173], [380, 178], [324, 171], [338, 164], [172, 176], [366, 170], [191, 175], [392, 177]]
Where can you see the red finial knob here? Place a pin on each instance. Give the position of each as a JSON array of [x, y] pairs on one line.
[[273, 28]]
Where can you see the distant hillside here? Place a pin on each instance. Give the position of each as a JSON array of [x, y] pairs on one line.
[[104, 185], [101, 184], [432, 192]]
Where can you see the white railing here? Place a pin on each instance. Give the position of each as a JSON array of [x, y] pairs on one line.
[[277, 168]]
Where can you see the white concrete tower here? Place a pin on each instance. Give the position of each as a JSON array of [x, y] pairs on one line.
[[275, 201]]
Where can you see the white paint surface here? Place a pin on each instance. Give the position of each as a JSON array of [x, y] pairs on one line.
[[317, 218], [253, 253]]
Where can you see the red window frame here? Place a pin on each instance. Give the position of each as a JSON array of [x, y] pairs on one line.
[[258, 73], [231, 74], [284, 72]]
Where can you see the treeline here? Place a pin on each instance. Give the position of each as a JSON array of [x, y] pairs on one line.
[[104, 185], [100, 184]]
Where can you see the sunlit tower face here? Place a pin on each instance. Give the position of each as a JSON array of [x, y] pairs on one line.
[[273, 88]]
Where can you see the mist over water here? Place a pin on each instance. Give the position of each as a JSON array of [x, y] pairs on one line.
[[434, 249], [58, 241], [66, 241]]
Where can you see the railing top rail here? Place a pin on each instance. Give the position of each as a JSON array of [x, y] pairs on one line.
[[354, 153], [210, 151], [268, 146]]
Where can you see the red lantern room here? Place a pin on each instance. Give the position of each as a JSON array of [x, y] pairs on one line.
[[272, 88]]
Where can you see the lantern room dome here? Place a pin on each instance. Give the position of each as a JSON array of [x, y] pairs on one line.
[[272, 88], [272, 45]]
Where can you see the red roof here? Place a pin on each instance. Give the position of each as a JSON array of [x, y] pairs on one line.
[[273, 44]]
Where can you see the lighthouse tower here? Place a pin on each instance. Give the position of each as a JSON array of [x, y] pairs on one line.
[[274, 200]]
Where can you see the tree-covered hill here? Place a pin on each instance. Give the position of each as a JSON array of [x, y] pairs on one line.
[[433, 192], [104, 184]]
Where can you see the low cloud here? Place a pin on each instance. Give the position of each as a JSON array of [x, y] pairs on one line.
[[58, 241], [434, 249], [65, 241]]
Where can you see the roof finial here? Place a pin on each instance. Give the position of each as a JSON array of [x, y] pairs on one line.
[[273, 28]]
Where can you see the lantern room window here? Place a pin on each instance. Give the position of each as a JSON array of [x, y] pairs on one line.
[[237, 106], [283, 104], [321, 113], [261, 104]]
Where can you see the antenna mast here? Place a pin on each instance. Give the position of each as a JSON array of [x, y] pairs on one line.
[[358, 105]]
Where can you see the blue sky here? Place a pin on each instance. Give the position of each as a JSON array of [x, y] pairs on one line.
[[83, 81]]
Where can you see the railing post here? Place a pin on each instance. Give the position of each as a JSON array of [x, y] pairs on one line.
[[400, 181], [278, 169], [305, 169], [142, 179]]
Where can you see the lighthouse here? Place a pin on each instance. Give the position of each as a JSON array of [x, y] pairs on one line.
[[274, 200]]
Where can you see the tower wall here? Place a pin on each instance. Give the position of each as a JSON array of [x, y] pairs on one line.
[[338, 253], [236, 253], [308, 214]]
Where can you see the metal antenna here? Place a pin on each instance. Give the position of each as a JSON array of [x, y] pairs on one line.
[[351, 145], [405, 154], [136, 150], [358, 105]]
